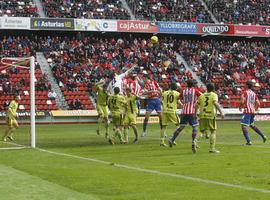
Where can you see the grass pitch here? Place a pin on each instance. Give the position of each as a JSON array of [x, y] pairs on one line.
[[72, 162]]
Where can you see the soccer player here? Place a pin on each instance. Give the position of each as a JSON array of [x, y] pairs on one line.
[[135, 86], [251, 104], [188, 97], [130, 115], [208, 106], [11, 121], [116, 105], [169, 115], [152, 90], [118, 80], [102, 107]]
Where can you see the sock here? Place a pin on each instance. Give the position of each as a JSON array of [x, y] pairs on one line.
[[99, 122], [245, 133], [126, 134], [160, 123], [194, 133], [135, 130], [212, 140], [145, 122], [176, 133], [107, 127], [257, 130], [119, 134], [162, 134]]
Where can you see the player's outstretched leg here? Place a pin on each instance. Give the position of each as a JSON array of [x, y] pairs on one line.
[[145, 123], [259, 132], [162, 136], [135, 130], [194, 134], [246, 135], [100, 119], [175, 135]]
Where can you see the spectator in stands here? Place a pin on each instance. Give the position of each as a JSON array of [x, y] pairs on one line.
[[88, 9], [78, 105], [52, 95]]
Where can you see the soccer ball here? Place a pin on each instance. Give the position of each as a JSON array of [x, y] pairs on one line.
[[154, 39]]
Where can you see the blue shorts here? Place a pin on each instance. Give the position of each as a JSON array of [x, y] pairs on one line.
[[153, 104], [188, 120], [247, 119]]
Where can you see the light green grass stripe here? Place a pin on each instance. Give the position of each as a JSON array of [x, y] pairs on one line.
[[16, 184], [158, 172]]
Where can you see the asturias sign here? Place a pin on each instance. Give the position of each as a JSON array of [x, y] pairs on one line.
[[52, 24]]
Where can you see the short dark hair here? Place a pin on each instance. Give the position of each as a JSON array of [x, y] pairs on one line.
[[249, 84], [210, 87], [190, 83], [173, 86], [116, 90]]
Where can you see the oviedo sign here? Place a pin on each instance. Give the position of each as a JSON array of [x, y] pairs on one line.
[[214, 29]]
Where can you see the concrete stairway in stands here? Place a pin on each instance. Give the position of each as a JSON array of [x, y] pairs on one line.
[[45, 68], [180, 59], [40, 8], [209, 11], [125, 5]]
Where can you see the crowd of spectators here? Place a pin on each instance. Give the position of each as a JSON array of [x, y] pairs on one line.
[[89, 9], [170, 10], [14, 8], [241, 11], [84, 60], [229, 64]]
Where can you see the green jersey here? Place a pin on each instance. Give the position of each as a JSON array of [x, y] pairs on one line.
[[207, 106], [169, 101], [131, 105], [102, 96], [12, 109], [117, 104]]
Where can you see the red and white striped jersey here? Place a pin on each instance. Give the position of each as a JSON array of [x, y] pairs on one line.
[[189, 97], [134, 85], [250, 99], [152, 88]]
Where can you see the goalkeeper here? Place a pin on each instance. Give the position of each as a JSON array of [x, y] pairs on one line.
[[11, 121]]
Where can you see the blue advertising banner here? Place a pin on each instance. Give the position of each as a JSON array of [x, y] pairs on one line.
[[177, 27]]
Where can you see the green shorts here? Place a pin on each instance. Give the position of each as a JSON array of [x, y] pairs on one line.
[[168, 118], [102, 111], [208, 124], [117, 120], [130, 119], [11, 122]]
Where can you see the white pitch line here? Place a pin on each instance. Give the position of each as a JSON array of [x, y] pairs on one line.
[[158, 172]]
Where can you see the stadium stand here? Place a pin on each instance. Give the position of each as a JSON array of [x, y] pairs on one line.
[[241, 12], [89, 9], [14, 8], [16, 81], [229, 64], [170, 10]]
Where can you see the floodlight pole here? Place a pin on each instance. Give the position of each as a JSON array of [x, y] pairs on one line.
[[32, 102]]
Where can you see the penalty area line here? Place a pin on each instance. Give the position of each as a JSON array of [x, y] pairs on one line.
[[158, 172]]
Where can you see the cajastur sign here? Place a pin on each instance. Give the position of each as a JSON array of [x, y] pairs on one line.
[[215, 29], [136, 26]]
